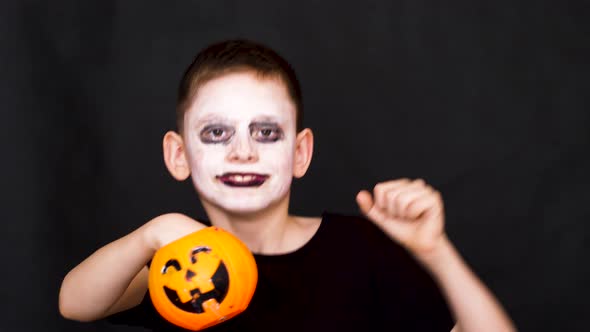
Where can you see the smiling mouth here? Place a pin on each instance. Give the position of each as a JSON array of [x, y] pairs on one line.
[[242, 179]]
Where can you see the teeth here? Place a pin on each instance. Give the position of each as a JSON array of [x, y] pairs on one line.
[[242, 178]]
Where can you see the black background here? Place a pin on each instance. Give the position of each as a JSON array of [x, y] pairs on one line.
[[486, 100]]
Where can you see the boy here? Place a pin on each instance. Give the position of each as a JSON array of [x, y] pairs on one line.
[[241, 141]]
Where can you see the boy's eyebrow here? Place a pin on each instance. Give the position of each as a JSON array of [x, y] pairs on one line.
[[264, 123], [267, 119], [210, 118]]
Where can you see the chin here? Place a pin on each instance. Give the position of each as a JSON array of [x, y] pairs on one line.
[[244, 207], [246, 202]]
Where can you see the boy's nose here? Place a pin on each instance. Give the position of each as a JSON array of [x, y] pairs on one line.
[[242, 150]]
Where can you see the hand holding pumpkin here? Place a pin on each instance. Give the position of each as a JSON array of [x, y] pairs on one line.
[[410, 212], [169, 227], [202, 279]]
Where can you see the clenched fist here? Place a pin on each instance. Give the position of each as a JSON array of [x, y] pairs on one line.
[[408, 211]]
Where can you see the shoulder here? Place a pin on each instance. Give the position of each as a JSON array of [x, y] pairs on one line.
[[349, 231], [361, 233], [351, 225], [336, 219], [391, 269], [175, 216]]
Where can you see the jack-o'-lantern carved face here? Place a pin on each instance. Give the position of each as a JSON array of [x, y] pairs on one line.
[[211, 283], [202, 279]]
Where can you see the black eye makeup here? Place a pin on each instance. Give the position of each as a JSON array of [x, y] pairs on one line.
[[262, 132], [266, 132], [216, 133]]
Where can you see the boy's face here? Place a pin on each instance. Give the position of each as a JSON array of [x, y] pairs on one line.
[[240, 136]]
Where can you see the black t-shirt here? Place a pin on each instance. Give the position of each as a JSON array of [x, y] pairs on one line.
[[349, 277]]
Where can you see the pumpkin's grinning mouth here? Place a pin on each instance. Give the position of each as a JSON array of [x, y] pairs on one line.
[[221, 281]]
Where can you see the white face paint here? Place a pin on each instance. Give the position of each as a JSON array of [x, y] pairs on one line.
[[240, 141]]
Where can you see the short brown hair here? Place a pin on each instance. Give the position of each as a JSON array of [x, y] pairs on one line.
[[233, 56]]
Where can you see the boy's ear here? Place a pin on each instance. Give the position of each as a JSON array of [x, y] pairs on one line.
[[303, 152], [175, 156]]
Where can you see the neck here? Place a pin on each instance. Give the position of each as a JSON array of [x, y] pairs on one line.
[[263, 231]]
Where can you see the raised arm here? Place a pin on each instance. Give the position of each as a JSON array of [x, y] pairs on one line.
[[412, 213], [114, 277]]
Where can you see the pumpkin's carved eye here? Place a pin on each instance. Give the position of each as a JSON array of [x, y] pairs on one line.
[[198, 250], [172, 263]]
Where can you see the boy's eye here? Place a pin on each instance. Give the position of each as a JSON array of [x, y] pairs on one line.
[[216, 134], [267, 134]]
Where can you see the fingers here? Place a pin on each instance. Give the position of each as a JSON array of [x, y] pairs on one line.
[[382, 189], [404, 198], [364, 201], [425, 205]]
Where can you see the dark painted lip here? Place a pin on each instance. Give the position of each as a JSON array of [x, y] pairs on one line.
[[255, 181]]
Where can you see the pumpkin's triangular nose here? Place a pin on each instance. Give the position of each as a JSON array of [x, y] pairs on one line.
[[189, 275]]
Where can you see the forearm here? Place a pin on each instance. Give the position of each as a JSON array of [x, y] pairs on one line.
[[97, 283], [474, 306]]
